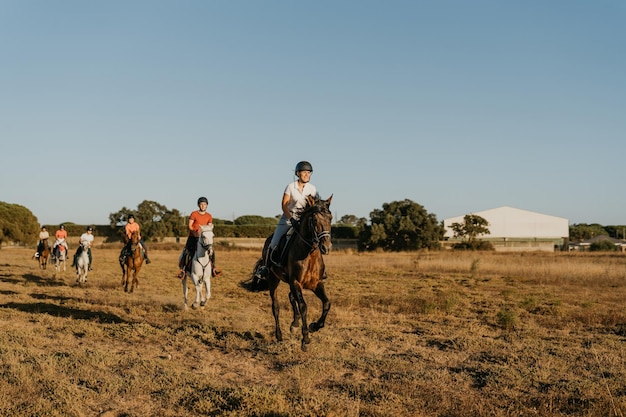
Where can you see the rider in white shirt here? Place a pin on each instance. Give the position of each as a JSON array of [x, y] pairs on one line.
[[85, 237], [293, 201], [43, 240]]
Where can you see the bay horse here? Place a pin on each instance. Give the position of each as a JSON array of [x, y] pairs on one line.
[[132, 264], [201, 268], [44, 254], [82, 263], [304, 267]]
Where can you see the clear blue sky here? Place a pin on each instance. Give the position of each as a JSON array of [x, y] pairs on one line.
[[460, 106]]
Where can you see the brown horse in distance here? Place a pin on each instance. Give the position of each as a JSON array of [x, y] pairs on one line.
[[132, 264], [44, 255], [304, 267]]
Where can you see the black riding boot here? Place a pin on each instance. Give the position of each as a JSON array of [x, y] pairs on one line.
[[216, 271], [145, 255]]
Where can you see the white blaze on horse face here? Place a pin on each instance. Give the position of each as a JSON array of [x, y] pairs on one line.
[[206, 235]]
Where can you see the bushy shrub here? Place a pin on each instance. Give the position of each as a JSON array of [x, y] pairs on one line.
[[602, 246], [475, 245]]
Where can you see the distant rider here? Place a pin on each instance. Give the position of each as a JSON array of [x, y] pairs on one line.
[[133, 226], [61, 239], [198, 218], [43, 241], [85, 237]]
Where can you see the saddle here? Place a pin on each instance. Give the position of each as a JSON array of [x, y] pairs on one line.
[[57, 251], [281, 249]]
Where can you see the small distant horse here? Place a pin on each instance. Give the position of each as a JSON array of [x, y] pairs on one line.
[[201, 268], [44, 254], [82, 263], [304, 267], [132, 264], [59, 255]]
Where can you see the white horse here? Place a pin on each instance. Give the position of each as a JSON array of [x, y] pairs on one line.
[[59, 253], [201, 268], [82, 264]]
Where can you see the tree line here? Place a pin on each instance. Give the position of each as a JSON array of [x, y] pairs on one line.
[[398, 226]]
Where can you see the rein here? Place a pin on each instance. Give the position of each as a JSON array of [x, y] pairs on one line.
[[316, 238]]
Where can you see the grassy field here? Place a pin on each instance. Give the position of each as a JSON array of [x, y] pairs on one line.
[[409, 334]]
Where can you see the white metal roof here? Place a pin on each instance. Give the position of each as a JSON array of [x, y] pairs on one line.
[[511, 222]]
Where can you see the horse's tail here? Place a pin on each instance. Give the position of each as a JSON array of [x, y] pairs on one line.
[[253, 284]]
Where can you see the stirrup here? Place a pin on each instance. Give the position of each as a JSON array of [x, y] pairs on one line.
[[261, 273]]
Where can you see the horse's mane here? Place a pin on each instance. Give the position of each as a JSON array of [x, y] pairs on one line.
[[313, 205]]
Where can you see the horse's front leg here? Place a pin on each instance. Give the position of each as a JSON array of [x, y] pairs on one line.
[[320, 291], [275, 312], [198, 286], [207, 287], [123, 273], [135, 282], [126, 281], [297, 293], [296, 313], [185, 291]]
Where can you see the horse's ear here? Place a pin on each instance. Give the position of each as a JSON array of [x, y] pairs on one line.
[[329, 200], [310, 200]]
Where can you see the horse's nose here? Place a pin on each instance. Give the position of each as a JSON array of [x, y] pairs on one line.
[[325, 247]]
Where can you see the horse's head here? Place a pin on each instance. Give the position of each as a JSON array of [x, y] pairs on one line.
[[206, 237], [317, 219], [134, 237]]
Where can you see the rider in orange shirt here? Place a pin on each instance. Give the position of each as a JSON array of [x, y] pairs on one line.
[[60, 239], [198, 218], [132, 226]]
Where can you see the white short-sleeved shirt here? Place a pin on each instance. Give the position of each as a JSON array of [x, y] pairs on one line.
[[44, 235], [86, 237], [298, 199]]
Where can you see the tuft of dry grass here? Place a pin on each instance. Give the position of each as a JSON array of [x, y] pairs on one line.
[[415, 334]]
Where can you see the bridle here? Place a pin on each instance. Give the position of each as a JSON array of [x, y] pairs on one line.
[[316, 237]]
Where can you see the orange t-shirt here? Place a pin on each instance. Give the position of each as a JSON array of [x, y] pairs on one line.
[[61, 234], [200, 220], [132, 227]]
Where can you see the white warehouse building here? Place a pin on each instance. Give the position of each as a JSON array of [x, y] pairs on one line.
[[513, 229]]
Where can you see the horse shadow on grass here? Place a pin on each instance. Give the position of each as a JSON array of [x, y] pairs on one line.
[[65, 312], [43, 281]]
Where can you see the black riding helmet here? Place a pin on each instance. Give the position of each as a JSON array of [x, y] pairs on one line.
[[62, 226], [130, 216], [303, 166], [89, 228], [203, 200]]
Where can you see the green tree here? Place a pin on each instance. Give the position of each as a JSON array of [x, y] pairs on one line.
[[582, 231], [401, 225], [18, 224], [468, 231], [155, 219], [252, 220], [603, 246], [352, 220], [472, 227]]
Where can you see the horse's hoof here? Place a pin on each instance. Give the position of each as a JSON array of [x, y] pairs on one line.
[[314, 327], [194, 305], [202, 303], [304, 347]]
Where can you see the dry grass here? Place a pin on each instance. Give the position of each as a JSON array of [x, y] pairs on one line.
[[422, 334]]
